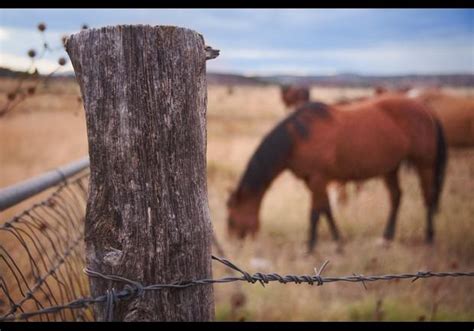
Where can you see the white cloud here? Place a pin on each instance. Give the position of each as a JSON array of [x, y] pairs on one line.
[[425, 57], [455, 54], [3, 34], [28, 37], [15, 43]]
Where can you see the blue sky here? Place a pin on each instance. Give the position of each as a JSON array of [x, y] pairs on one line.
[[277, 41]]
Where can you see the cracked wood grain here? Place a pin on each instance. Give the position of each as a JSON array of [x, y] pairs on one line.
[[144, 92]]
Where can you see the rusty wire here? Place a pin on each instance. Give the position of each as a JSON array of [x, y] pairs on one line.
[[133, 289], [42, 254]]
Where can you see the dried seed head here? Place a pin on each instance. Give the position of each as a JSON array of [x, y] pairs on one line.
[[32, 53], [11, 96], [41, 27], [31, 90], [62, 61], [85, 27]]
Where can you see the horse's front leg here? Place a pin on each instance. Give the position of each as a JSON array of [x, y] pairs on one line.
[[320, 204]]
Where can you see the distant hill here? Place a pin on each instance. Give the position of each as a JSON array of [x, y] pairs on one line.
[[233, 79], [5, 72], [354, 80], [339, 80], [346, 80], [212, 78]]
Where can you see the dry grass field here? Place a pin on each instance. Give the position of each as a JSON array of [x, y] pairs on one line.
[[49, 130]]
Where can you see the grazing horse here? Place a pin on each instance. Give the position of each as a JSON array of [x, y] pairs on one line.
[[294, 96], [320, 143], [456, 114]]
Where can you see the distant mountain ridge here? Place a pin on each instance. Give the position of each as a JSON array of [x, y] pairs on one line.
[[338, 80], [355, 80], [346, 80], [233, 79]]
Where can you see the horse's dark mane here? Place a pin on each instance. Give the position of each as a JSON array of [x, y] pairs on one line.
[[271, 156], [268, 159]]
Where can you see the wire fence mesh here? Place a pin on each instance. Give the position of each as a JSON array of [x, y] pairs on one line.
[[42, 255]]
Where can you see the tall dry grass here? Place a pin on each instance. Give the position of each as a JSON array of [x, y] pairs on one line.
[[50, 130]]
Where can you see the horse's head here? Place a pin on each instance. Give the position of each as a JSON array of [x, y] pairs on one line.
[[242, 216], [284, 93], [379, 90], [294, 95], [404, 89]]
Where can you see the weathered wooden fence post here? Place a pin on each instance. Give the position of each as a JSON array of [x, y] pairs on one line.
[[144, 92]]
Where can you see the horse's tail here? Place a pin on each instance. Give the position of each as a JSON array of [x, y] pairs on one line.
[[440, 163]]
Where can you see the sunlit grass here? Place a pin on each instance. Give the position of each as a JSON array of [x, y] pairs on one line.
[[50, 130]]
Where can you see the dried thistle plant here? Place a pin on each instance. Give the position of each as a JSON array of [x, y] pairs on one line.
[[22, 92]]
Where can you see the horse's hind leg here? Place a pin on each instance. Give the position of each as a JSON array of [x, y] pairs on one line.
[[334, 229], [426, 180], [391, 181], [332, 223]]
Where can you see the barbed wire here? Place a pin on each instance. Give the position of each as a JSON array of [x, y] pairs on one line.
[[134, 289]]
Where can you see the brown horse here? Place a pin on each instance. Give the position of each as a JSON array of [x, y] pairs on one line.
[[294, 96], [321, 143], [456, 114]]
